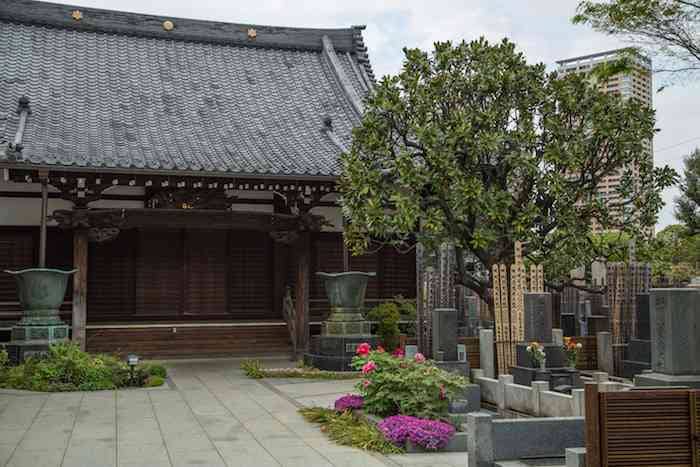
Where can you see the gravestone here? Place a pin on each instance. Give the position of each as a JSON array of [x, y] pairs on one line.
[[675, 339], [538, 317], [638, 353], [643, 330], [444, 333]]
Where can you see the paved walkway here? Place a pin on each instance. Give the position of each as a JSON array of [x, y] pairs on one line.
[[210, 416]]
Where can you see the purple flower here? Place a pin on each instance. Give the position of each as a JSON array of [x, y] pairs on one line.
[[430, 434], [349, 402]]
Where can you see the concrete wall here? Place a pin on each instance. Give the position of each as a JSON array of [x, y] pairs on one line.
[[491, 440], [537, 400]]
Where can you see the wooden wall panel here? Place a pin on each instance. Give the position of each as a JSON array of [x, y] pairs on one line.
[[206, 341], [251, 278], [206, 272], [112, 279], [159, 274], [16, 252]]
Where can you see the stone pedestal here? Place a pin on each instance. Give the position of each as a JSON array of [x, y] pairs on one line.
[[554, 354], [41, 293], [569, 324], [335, 353], [346, 327], [675, 339], [555, 369]]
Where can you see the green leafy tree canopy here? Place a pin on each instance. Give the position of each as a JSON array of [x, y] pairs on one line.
[[472, 145], [688, 203], [667, 28]]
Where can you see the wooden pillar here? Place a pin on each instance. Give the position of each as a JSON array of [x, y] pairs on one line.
[[44, 214], [80, 262], [280, 256], [302, 290]]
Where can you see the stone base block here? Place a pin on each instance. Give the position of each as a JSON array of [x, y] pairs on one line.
[[346, 328], [460, 368], [18, 352], [569, 324], [631, 368], [555, 357], [468, 401], [335, 353], [661, 379], [557, 377], [42, 333]]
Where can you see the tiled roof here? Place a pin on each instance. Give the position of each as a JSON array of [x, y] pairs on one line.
[[116, 91]]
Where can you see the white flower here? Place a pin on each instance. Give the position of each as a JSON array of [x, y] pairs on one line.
[[579, 346]]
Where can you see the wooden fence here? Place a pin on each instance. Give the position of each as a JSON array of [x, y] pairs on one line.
[[642, 428]]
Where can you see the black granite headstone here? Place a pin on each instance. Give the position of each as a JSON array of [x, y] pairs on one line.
[[643, 330], [538, 317], [445, 333]]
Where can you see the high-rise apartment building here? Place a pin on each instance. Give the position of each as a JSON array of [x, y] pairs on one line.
[[635, 83]]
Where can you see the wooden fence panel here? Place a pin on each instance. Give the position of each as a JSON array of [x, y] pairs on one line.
[[641, 428]]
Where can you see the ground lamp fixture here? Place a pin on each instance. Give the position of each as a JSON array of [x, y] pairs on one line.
[[132, 360]]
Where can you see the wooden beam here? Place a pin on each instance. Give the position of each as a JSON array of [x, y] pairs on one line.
[[280, 257], [302, 290], [592, 425], [80, 262]]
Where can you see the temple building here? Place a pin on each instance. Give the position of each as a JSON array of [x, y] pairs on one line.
[[190, 172]]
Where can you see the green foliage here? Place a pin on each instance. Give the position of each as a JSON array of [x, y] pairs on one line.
[[668, 28], [349, 429], [674, 255], [688, 204], [154, 381], [254, 369], [387, 317], [407, 387], [478, 148], [4, 359], [67, 368], [153, 369]]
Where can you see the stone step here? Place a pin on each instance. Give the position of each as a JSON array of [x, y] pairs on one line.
[[549, 462], [631, 368]]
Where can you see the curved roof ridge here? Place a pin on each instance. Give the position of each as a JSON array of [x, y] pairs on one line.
[[136, 24]]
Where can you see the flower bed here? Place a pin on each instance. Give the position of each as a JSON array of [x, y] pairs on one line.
[[394, 385], [67, 368], [429, 434], [254, 369]]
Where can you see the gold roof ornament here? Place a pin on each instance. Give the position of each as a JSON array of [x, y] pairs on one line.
[[76, 15], [168, 25], [252, 33]]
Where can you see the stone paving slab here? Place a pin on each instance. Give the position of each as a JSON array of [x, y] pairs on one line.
[[211, 415]]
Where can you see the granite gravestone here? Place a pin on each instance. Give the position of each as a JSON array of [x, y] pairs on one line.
[[444, 334], [538, 317], [638, 353], [675, 339]]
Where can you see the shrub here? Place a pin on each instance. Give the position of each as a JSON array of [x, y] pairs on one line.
[[393, 385], [349, 402], [152, 369], [387, 317], [154, 381], [254, 369], [430, 434], [67, 368], [348, 429]]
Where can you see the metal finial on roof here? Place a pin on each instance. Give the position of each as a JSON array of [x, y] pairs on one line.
[[252, 33], [168, 25], [77, 15], [327, 123]]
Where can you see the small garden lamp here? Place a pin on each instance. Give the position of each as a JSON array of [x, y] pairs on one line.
[[132, 360]]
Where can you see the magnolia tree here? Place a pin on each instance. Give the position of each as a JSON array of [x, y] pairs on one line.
[[472, 145]]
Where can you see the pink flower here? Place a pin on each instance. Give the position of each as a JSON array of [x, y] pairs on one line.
[[420, 358], [380, 348], [365, 382], [363, 349], [398, 353], [368, 367]]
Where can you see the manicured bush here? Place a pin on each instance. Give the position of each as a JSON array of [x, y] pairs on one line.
[[67, 368], [387, 317], [430, 434], [154, 381], [349, 402], [393, 385]]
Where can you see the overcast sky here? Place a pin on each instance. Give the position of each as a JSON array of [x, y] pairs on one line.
[[541, 28]]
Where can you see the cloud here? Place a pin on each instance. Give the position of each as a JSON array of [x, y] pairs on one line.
[[541, 28]]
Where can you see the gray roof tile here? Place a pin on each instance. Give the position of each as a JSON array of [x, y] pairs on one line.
[[117, 100]]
